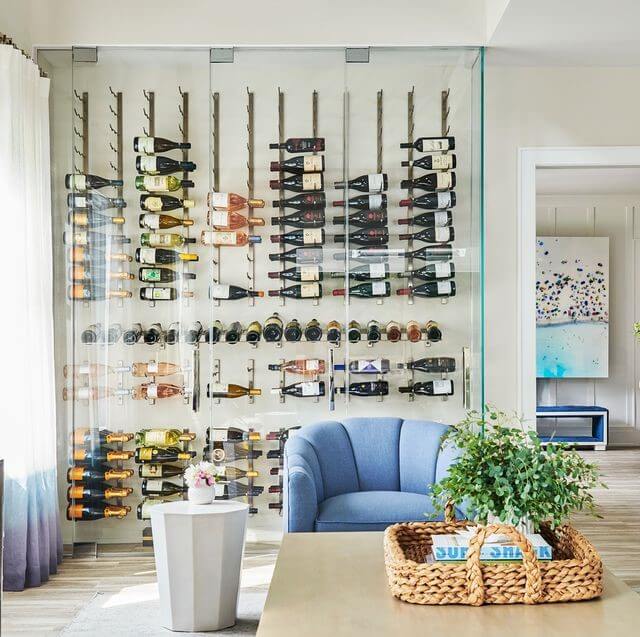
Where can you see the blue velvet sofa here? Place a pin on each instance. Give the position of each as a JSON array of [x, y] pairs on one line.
[[362, 474]]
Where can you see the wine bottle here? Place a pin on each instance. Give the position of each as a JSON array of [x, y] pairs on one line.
[[162, 488], [433, 332], [162, 256], [429, 388], [229, 452], [132, 335], [230, 434], [231, 202], [301, 145], [98, 455], [162, 454], [172, 335], [154, 334], [334, 332], [143, 511], [95, 474], [431, 272], [97, 437], [213, 334], [305, 389], [153, 145], [193, 333], [79, 181], [156, 293], [354, 332], [302, 273], [367, 290], [370, 366], [90, 237], [153, 391], [94, 201], [164, 203], [433, 162], [300, 291], [301, 219], [365, 237], [158, 165], [82, 492], [375, 183], [442, 365], [83, 292], [431, 181], [366, 272], [293, 331], [309, 201], [233, 239], [299, 165], [91, 219], [431, 201], [431, 235], [254, 332], [301, 256], [230, 490], [414, 333], [154, 221], [82, 254], [303, 237], [374, 333], [301, 366], [233, 332], [161, 183], [231, 390], [159, 470], [432, 253], [162, 275], [273, 329], [430, 289], [364, 219], [91, 334], [365, 389], [99, 275], [313, 331], [231, 292], [365, 202], [431, 144], [225, 220], [393, 331], [307, 182], [88, 511], [114, 333], [139, 370], [233, 473], [431, 219], [164, 240]]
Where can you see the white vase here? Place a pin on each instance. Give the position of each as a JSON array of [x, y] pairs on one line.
[[201, 495]]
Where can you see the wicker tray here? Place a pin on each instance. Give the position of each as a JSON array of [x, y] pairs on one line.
[[574, 574]]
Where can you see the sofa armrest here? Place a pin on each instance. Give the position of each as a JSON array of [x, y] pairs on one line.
[[300, 496]]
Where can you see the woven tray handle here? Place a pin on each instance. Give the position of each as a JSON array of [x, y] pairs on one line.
[[475, 583]]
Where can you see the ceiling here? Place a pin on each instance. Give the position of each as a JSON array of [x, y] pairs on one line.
[[591, 181]]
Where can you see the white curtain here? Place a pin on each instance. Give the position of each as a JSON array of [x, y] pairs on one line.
[[32, 547]]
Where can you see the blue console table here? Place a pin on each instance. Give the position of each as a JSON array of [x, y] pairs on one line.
[[599, 417]]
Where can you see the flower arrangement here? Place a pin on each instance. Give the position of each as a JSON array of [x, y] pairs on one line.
[[203, 474]]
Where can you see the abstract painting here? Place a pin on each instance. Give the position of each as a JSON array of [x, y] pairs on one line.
[[572, 307]]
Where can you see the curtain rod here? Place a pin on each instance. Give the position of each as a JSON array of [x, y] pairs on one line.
[[5, 39]]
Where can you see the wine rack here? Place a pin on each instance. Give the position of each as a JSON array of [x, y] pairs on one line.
[[280, 436]]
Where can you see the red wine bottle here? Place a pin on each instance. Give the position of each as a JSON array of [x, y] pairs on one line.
[[302, 237], [153, 145], [365, 237], [301, 291], [431, 219], [158, 165], [366, 389], [431, 235], [433, 162], [431, 144], [431, 272], [307, 182], [305, 389], [299, 165], [365, 202], [301, 145], [367, 290], [366, 272], [231, 292], [310, 201], [301, 273], [431, 201], [431, 181], [430, 289], [364, 219], [442, 365], [432, 253], [301, 256], [430, 388], [375, 183], [301, 219]]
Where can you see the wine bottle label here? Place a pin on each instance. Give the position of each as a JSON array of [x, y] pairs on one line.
[[155, 184], [375, 202], [440, 218], [371, 366], [152, 368], [444, 287], [377, 271], [78, 182], [309, 389], [312, 365], [152, 274], [442, 235], [442, 162], [376, 182], [443, 181], [146, 145], [147, 255], [312, 181], [309, 273], [151, 470], [312, 164], [148, 165], [441, 387], [147, 505], [153, 203], [79, 238], [158, 294], [83, 393], [79, 202], [219, 218], [378, 288], [152, 221], [154, 486], [309, 290], [159, 239], [218, 488], [84, 369], [444, 199], [145, 454], [225, 238], [219, 199], [443, 270], [311, 236], [218, 388], [219, 291], [152, 390], [430, 145]]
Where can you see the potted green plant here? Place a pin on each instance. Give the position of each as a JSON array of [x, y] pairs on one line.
[[504, 474]]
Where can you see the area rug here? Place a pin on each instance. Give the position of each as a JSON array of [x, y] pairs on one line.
[[136, 611]]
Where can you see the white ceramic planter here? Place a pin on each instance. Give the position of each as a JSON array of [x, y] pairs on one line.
[[201, 495]]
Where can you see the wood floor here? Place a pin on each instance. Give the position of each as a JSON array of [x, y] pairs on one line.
[[48, 609]]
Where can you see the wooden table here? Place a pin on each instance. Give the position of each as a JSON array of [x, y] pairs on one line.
[[334, 584]]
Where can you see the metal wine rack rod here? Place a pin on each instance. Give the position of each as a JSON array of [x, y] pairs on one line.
[[445, 128], [314, 133], [118, 167], [183, 127], [281, 192], [251, 261], [379, 116], [410, 134], [150, 130], [215, 177]]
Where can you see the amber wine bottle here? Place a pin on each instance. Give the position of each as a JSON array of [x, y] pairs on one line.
[[93, 456], [393, 331], [161, 183], [224, 390], [164, 203], [95, 511], [414, 333], [95, 474], [85, 492], [154, 221], [299, 165], [162, 454], [153, 145]]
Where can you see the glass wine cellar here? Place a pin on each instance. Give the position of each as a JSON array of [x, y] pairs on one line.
[[190, 324]]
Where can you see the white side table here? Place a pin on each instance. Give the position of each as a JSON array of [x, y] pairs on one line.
[[198, 550]]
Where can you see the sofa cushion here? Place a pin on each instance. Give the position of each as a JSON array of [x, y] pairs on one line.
[[418, 452], [372, 510]]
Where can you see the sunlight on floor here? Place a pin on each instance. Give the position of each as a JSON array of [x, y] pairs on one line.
[[133, 595]]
